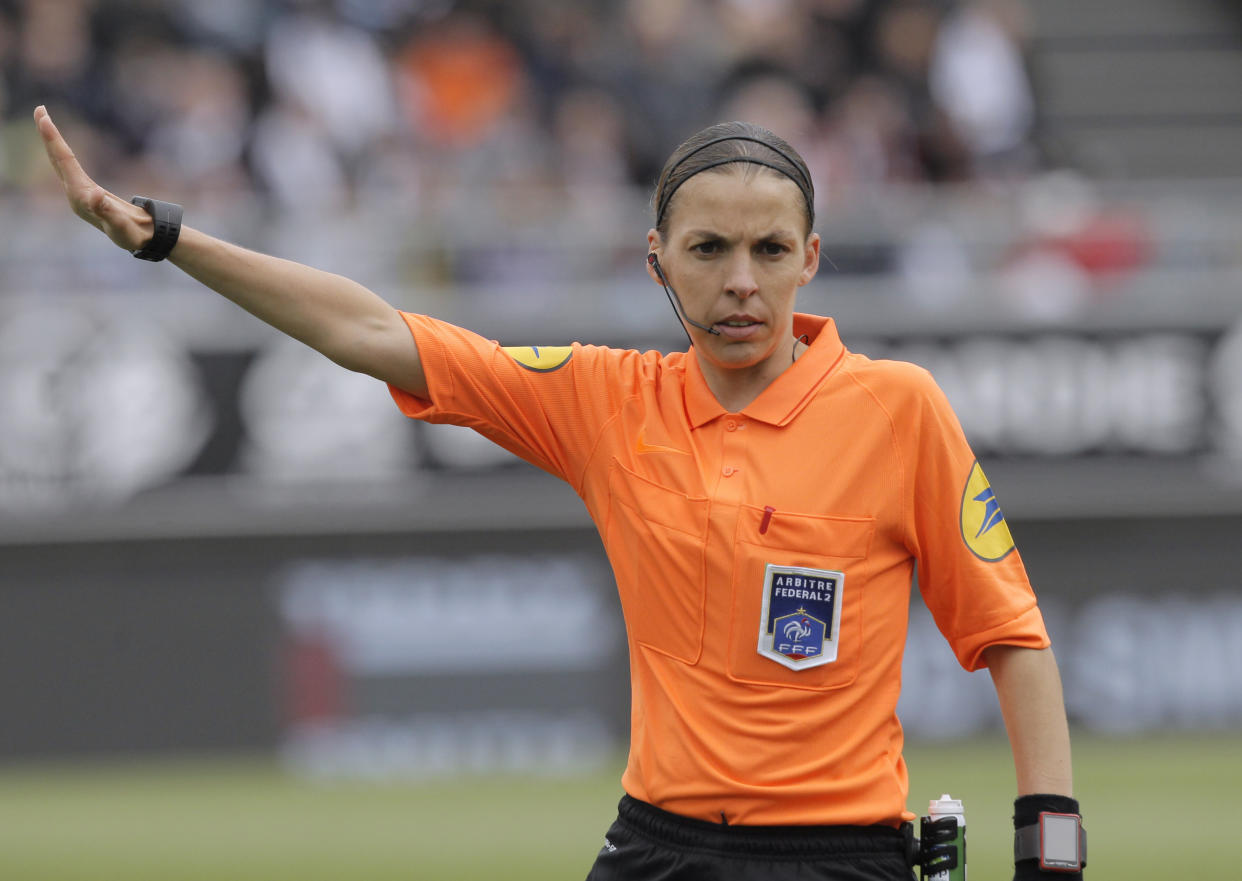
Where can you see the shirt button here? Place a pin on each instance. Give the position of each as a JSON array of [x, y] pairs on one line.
[[729, 470], [731, 425]]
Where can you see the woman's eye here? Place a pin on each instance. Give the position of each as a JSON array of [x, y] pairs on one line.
[[706, 248], [773, 249]]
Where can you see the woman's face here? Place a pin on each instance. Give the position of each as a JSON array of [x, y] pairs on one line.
[[736, 253]]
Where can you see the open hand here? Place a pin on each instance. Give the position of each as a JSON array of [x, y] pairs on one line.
[[126, 224]]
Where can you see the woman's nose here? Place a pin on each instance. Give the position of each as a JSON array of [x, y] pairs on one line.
[[740, 281]]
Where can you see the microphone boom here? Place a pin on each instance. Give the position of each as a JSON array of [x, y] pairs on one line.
[[675, 301]]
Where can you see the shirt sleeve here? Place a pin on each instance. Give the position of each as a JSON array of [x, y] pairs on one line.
[[970, 573], [547, 405]]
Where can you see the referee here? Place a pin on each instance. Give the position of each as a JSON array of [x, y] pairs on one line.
[[764, 499]]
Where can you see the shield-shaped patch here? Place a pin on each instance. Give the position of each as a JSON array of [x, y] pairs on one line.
[[801, 616]]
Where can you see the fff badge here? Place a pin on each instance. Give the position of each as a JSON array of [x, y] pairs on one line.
[[801, 615]]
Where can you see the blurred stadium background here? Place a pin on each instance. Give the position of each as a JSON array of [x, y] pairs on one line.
[[254, 624]]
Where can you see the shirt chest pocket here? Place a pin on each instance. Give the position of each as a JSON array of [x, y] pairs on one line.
[[799, 598], [656, 543]]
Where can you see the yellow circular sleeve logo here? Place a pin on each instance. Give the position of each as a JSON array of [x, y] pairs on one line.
[[541, 359], [983, 525]]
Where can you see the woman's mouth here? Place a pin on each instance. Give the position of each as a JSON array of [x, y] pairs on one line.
[[738, 327]]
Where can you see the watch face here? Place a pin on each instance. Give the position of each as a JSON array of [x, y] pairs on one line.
[[1058, 837]]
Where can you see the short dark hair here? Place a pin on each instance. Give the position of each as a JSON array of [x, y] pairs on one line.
[[720, 145]]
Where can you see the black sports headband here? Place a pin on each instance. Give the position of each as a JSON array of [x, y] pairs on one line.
[[804, 185]]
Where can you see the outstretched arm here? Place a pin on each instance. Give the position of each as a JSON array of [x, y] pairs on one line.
[[338, 317], [1028, 686]]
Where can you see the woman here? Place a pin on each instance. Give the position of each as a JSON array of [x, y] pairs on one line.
[[763, 499]]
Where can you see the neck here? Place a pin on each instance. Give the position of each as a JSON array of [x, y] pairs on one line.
[[736, 387]]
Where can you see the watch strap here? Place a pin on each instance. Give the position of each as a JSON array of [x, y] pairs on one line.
[[167, 217], [1026, 843]]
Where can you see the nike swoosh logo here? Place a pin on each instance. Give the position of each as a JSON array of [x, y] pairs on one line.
[[641, 446]]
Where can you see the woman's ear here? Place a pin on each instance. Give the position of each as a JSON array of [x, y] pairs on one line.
[[653, 247], [811, 266]]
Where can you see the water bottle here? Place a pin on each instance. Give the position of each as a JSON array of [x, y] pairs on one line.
[[943, 840]]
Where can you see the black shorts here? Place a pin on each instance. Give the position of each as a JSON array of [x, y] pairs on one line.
[[649, 844]]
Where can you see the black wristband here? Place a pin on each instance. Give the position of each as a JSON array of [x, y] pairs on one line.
[[1026, 811], [1027, 808], [167, 217]]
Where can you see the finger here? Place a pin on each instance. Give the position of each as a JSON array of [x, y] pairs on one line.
[[62, 158], [58, 151]]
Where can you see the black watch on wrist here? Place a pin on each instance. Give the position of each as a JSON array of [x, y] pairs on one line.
[[1048, 836], [167, 217]]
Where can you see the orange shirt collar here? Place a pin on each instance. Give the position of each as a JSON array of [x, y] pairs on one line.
[[789, 392]]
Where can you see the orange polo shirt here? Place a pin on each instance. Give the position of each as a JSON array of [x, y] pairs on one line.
[[763, 558]]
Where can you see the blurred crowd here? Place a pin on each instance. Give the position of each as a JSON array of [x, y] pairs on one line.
[[320, 104], [468, 142]]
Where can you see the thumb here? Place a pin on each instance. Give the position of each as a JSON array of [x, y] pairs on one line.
[[128, 225], [90, 204]]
